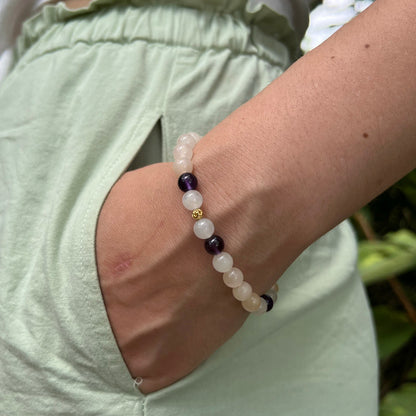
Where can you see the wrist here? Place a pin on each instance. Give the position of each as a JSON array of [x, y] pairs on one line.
[[256, 213]]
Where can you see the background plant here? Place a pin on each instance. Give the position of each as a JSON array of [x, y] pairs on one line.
[[386, 229]]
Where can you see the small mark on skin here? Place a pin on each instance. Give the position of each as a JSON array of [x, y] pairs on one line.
[[121, 267], [365, 135], [367, 45], [332, 57]]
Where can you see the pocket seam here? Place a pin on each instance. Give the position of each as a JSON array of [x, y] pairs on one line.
[[84, 258]]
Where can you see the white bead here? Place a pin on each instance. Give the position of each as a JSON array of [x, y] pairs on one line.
[[196, 136], [192, 200], [252, 303], [222, 262], [243, 291], [187, 139], [272, 294], [182, 165], [182, 151], [262, 308], [204, 228], [233, 278]]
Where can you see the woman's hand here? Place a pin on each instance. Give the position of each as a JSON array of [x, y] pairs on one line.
[[169, 309], [275, 175]]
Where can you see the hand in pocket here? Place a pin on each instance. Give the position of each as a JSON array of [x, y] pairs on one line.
[[168, 308]]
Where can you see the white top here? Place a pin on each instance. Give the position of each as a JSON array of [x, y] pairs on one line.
[[14, 12], [12, 15]]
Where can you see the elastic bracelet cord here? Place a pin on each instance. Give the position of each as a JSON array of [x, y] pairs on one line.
[[204, 229]]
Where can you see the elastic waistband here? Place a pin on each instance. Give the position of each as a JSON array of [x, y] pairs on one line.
[[208, 24]]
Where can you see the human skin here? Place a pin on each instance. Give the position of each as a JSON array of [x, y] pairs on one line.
[[322, 140], [75, 4]]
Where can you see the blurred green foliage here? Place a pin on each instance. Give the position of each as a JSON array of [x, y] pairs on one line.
[[401, 402], [386, 229], [393, 255], [394, 330]]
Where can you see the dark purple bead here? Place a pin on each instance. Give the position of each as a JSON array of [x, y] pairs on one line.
[[187, 182], [269, 301], [214, 244]]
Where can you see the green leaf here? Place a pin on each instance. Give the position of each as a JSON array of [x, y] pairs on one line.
[[402, 238], [379, 260], [393, 330], [401, 402]]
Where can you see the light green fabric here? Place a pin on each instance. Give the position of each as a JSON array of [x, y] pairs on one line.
[[88, 88]]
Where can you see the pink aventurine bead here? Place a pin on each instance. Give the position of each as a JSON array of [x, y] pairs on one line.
[[252, 303], [262, 308], [182, 165], [192, 200], [243, 291], [196, 136], [233, 278], [187, 139], [222, 262], [204, 228], [182, 151]]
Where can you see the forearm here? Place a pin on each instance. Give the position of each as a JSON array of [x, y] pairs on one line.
[[315, 145], [334, 130]]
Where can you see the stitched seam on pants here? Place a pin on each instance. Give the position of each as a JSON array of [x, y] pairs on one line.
[[143, 406], [81, 245], [150, 41]]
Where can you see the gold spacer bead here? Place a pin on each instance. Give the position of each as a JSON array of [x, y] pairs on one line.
[[197, 214]]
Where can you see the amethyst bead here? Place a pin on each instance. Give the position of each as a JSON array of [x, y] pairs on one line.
[[269, 301], [214, 244], [187, 182]]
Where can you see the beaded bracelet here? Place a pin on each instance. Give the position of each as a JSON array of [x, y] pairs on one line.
[[204, 229]]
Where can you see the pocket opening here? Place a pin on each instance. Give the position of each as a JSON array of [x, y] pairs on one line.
[[151, 150]]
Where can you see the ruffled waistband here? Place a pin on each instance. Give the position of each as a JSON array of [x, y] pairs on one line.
[[258, 26]]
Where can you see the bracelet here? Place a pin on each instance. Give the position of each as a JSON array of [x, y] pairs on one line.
[[204, 229]]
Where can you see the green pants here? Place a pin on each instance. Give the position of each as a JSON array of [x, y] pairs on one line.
[[110, 88]]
